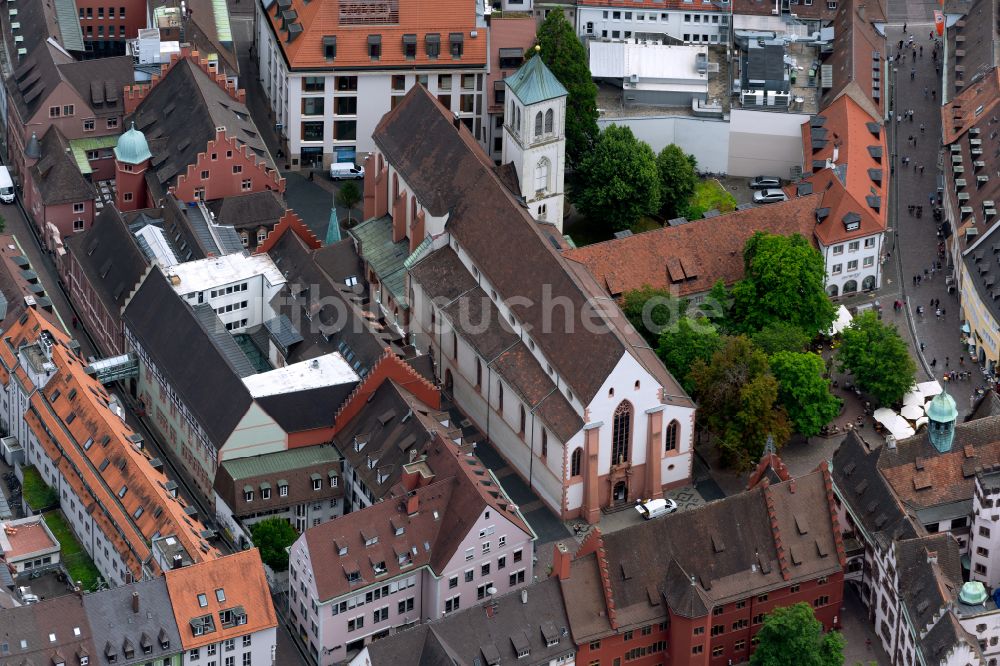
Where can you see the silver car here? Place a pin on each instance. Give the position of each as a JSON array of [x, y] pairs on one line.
[[764, 182], [769, 196]]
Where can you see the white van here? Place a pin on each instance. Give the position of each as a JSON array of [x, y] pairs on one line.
[[650, 509], [6, 186], [346, 171]]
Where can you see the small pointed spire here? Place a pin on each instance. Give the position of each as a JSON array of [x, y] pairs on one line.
[[769, 446], [333, 228], [33, 150]]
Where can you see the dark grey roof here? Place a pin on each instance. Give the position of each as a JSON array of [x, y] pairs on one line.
[[215, 239], [282, 332], [765, 68], [114, 621], [179, 230], [339, 261], [867, 493], [450, 175], [926, 587], [249, 211], [361, 342], [222, 339], [987, 405], [977, 30], [56, 174], [306, 410], [179, 117], [214, 393], [101, 82], [464, 637], [110, 258]]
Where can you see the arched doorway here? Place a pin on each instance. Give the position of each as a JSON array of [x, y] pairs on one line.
[[868, 283], [448, 380], [619, 493], [850, 286], [832, 291]]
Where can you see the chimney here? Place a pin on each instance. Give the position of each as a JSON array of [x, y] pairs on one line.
[[135, 602], [561, 562], [932, 556], [412, 504], [458, 123], [178, 561]]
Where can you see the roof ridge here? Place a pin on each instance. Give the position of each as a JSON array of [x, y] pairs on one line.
[[594, 543], [289, 221], [779, 546], [135, 93], [388, 357], [838, 537]]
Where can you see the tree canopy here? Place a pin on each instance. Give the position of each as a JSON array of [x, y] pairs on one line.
[[678, 180], [617, 180], [780, 336], [877, 358], [688, 341], [738, 401], [652, 310], [349, 196], [272, 536], [564, 54], [784, 281], [793, 632], [803, 391]]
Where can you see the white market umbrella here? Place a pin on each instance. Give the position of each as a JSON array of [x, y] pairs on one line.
[[842, 321], [912, 412], [922, 421], [914, 397], [900, 429], [930, 389], [884, 415]]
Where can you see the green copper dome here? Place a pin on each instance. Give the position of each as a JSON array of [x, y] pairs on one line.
[[942, 408], [973, 593], [132, 147]]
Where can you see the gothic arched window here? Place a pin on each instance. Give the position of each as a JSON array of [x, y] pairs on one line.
[[548, 121], [542, 171], [538, 123], [575, 462], [621, 433]]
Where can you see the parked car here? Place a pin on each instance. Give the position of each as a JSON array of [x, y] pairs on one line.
[[6, 186], [650, 509], [769, 196], [764, 182], [346, 171]]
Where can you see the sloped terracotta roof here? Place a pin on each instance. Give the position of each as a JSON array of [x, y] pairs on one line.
[[692, 257], [319, 20], [858, 51]]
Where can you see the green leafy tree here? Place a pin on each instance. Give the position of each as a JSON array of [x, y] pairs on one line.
[[780, 336], [617, 180], [803, 391], [349, 196], [738, 397], [652, 310], [564, 54], [783, 281], [708, 195], [272, 536], [877, 358], [678, 179], [792, 634], [688, 341]]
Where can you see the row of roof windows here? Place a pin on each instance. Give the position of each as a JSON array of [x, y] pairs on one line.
[[409, 44]]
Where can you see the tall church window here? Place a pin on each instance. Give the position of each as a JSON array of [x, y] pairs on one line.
[[575, 462], [548, 121], [538, 123], [621, 433], [672, 431], [542, 170]]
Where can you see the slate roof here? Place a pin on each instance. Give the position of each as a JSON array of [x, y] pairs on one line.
[[461, 637], [100, 81], [248, 211], [339, 261], [972, 44], [179, 116], [215, 395], [115, 622], [388, 438], [460, 491], [477, 205], [56, 175], [927, 586], [308, 409], [534, 82], [867, 493], [692, 257], [109, 257], [853, 58], [584, 599], [32, 624]]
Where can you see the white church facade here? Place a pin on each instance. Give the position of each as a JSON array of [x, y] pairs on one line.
[[525, 341]]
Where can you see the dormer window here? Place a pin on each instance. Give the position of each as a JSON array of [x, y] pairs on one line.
[[379, 568], [330, 47]]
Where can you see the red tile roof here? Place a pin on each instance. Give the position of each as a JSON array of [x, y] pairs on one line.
[[859, 52], [26, 538], [692, 257], [233, 582], [322, 18], [848, 144], [94, 451]]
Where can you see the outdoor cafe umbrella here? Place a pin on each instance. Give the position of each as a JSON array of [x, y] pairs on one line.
[[912, 412]]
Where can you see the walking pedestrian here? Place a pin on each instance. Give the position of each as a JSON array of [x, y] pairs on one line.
[[933, 93], [910, 113], [926, 92], [947, 361], [930, 35], [933, 362], [921, 169], [937, 313], [922, 346], [961, 361], [931, 197], [913, 73], [921, 50], [904, 27], [909, 139], [922, 128]]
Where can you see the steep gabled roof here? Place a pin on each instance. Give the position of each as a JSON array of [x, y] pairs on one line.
[[56, 174], [533, 82]]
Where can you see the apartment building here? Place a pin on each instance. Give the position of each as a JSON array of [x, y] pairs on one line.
[[588, 425], [331, 69], [654, 21], [450, 539], [510, 38], [122, 508], [133, 625]]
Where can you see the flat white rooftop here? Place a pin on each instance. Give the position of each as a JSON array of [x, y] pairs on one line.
[[194, 276], [621, 60], [328, 370]]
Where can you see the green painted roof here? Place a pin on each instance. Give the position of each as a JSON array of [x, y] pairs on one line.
[[942, 408], [81, 146], [386, 258], [69, 25], [281, 462], [534, 82], [132, 147], [223, 29]]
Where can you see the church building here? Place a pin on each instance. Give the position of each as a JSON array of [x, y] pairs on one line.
[[466, 259]]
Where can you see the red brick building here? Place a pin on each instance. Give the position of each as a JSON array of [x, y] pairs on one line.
[[190, 134], [106, 24], [642, 596]]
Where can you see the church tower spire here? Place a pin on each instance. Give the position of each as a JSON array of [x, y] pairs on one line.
[[534, 137]]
